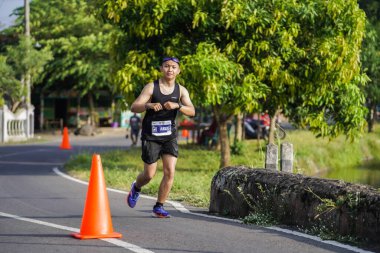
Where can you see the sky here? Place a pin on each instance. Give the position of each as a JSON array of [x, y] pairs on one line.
[[6, 8]]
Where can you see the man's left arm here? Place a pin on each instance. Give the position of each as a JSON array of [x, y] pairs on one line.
[[186, 106]]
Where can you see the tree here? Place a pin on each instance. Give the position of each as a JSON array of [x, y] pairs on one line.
[[22, 58], [371, 64], [10, 87], [307, 55], [79, 43], [298, 57], [370, 57], [221, 84], [147, 40]]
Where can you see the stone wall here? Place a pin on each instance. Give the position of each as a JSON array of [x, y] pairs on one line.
[[296, 200]]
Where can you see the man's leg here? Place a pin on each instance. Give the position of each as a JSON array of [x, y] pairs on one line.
[[133, 137], [150, 154], [145, 176], [168, 163], [142, 179], [136, 136]]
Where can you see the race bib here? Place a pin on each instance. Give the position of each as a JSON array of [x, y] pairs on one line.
[[161, 128]]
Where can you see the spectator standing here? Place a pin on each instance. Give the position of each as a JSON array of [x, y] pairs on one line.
[[135, 125]]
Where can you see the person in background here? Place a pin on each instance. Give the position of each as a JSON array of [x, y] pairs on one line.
[[162, 100], [264, 117], [134, 124]]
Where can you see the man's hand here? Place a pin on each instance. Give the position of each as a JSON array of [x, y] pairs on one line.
[[154, 106], [171, 105]]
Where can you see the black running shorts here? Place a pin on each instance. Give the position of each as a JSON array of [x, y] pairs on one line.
[[153, 150]]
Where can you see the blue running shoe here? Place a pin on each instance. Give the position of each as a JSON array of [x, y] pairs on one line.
[[159, 212], [133, 196]]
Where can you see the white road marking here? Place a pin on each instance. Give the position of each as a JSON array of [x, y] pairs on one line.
[[44, 223], [60, 173], [315, 238], [183, 209], [113, 241]]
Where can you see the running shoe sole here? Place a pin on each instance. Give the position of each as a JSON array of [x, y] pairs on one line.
[[160, 216]]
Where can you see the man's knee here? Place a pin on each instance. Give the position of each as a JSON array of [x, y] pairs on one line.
[[169, 173], [148, 175], [149, 171]]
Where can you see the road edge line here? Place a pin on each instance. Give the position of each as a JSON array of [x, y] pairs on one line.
[[113, 241]]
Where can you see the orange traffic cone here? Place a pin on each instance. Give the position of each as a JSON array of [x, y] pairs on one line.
[[96, 220], [65, 139]]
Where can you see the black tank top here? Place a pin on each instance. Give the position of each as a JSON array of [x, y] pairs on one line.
[[160, 126]]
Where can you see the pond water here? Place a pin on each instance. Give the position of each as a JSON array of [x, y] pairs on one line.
[[368, 173]]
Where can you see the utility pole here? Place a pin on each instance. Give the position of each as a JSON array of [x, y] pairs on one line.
[[29, 123], [27, 35]]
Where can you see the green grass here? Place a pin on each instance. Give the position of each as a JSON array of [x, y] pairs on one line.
[[355, 162], [195, 168]]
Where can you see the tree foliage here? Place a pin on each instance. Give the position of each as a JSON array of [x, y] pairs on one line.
[[21, 59], [307, 54], [370, 57], [79, 43], [26, 58], [301, 57], [10, 87]]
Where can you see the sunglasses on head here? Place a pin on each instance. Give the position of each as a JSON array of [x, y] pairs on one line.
[[170, 59]]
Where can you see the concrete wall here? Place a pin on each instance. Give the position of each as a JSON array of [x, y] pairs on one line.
[[296, 200]]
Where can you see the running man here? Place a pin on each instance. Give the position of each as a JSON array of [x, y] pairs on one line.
[[161, 100]]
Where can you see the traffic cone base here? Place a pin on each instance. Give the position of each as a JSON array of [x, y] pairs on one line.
[[65, 139], [109, 235], [96, 220]]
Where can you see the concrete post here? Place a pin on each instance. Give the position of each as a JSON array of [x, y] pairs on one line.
[[287, 157], [271, 157]]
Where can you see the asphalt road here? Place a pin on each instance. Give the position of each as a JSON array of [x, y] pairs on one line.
[[39, 209]]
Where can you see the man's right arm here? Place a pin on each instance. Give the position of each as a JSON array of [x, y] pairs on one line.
[[140, 104]]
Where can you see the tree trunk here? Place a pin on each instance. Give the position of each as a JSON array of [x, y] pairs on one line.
[[272, 127], [198, 124], [224, 145], [243, 127], [239, 127], [271, 130], [371, 116], [225, 152], [78, 125], [15, 106], [92, 109], [374, 117], [42, 109]]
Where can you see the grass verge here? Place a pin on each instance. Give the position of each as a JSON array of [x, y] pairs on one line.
[[196, 165]]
